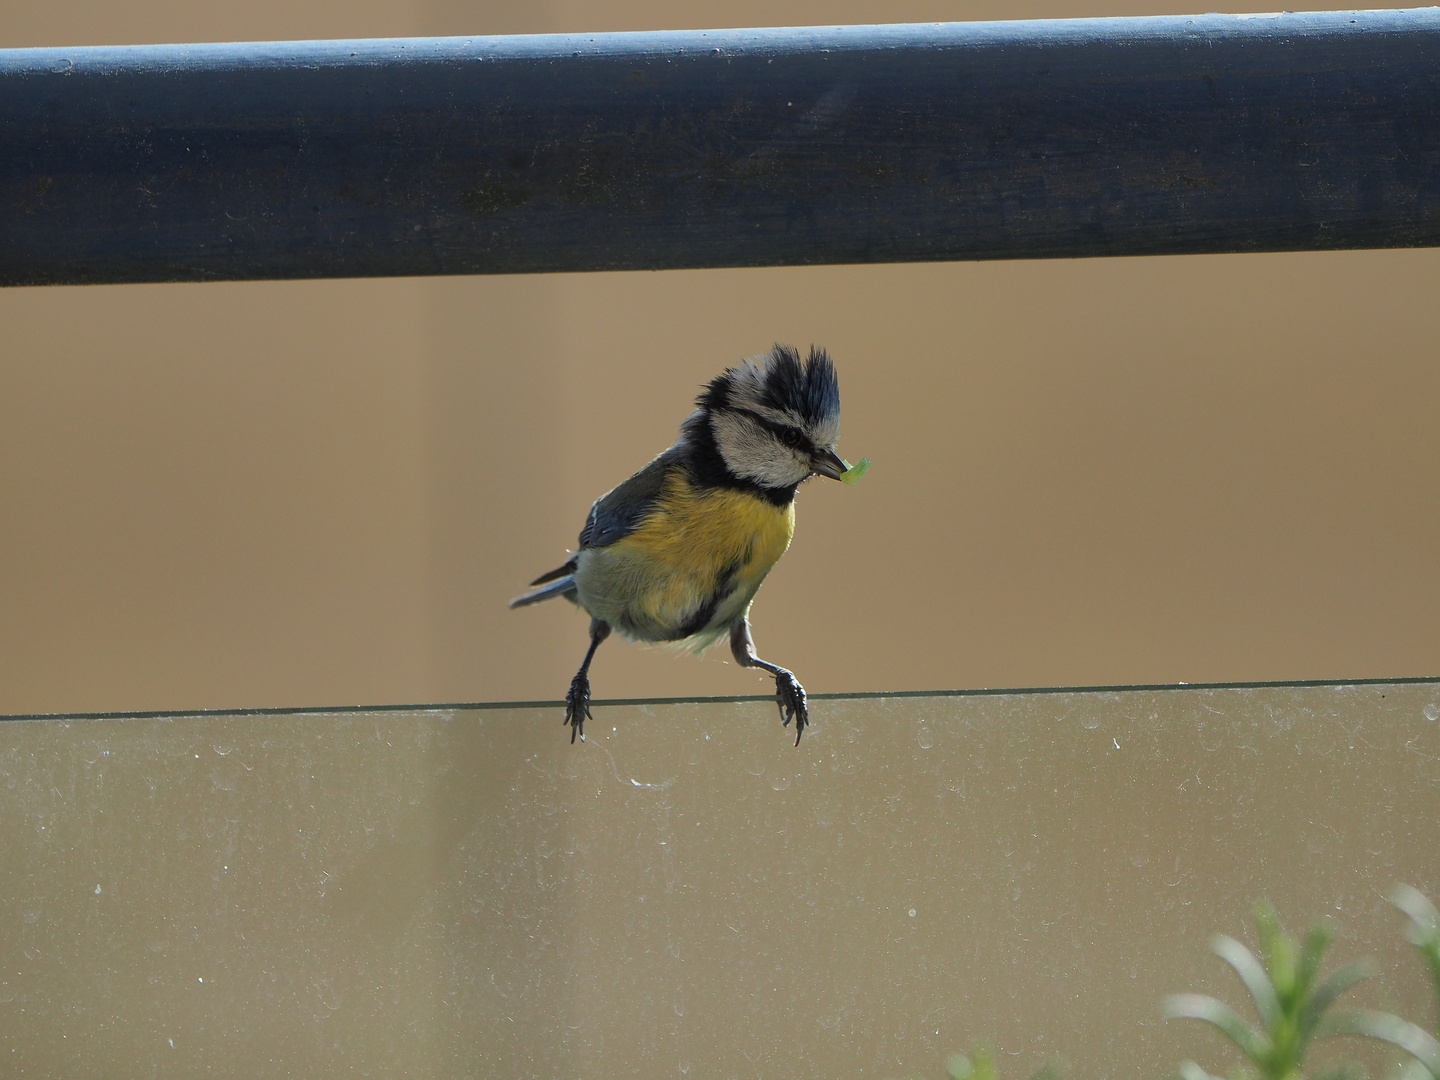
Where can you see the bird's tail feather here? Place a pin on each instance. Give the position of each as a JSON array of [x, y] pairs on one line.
[[559, 587]]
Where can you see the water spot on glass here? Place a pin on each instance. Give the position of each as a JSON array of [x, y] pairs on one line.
[[223, 751], [98, 890], [678, 1004], [685, 1065], [926, 737], [1432, 713], [1090, 723], [779, 783], [172, 1043], [912, 913], [157, 946]]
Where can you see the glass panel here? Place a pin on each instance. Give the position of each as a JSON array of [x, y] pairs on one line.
[[464, 893]]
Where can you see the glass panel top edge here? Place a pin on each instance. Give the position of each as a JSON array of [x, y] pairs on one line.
[[473, 706]]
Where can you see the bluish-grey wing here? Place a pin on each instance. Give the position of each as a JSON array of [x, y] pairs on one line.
[[616, 514]]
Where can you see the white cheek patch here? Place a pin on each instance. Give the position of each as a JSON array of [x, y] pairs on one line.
[[753, 453]]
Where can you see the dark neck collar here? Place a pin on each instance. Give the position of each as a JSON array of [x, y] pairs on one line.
[[702, 457]]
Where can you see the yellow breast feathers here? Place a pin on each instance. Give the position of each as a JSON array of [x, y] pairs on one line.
[[694, 563]]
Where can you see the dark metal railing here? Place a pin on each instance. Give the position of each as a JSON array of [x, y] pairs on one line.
[[727, 148]]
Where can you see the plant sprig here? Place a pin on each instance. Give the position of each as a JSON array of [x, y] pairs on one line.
[[1294, 1004], [1424, 933], [980, 1065], [1290, 999], [1424, 929]]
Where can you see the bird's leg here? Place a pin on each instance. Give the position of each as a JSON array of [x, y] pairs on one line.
[[789, 694], [577, 701]]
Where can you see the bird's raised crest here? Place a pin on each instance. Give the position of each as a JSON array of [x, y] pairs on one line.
[[783, 389]]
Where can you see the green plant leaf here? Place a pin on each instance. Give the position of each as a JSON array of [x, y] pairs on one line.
[[1417, 905], [1387, 1027], [1424, 928], [1324, 995], [980, 1065], [1203, 1007], [1278, 952], [1411, 1070], [1252, 974], [1317, 940], [1189, 1070]]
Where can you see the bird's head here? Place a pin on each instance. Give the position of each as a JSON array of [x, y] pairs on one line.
[[775, 418]]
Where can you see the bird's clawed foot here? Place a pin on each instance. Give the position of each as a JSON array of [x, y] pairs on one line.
[[790, 696], [577, 705]]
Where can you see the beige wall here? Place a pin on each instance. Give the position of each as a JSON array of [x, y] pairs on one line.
[[232, 495]]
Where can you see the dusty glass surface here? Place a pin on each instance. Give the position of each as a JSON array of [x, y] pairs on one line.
[[464, 893]]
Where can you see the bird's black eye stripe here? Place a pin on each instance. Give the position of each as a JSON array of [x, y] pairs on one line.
[[792, 437]]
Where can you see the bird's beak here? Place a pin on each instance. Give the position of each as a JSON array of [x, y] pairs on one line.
[[828, 463]]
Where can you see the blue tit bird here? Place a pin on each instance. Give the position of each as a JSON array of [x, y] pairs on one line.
[[675, 554]]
